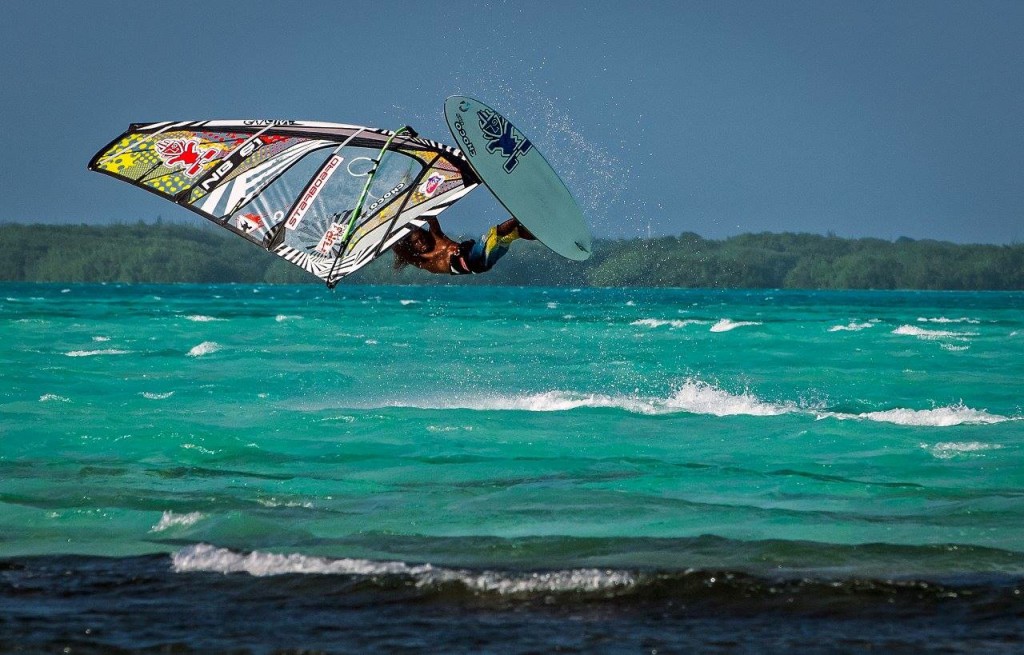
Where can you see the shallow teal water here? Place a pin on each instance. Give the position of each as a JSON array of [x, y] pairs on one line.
[[515, 427]]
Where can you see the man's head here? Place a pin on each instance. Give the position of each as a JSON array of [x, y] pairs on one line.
[[420, 241], [415, 245]]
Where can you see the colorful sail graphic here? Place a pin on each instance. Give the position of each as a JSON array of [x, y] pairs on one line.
[[326, 197]]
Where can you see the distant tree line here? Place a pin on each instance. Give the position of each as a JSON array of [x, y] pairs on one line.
[[163, 253]]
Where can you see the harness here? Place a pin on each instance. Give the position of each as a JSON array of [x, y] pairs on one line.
[[458, 263]]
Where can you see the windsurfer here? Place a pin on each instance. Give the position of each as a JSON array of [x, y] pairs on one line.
[[433, 251]]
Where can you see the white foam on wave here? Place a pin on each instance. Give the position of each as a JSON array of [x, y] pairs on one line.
[[698, 397], [289, 504], [406, 303], [692, 397], [943, 319], [198, 448], [100, 339], [852, 326], [205, 348], [931, 335], [657, 322], [149, 395], [52, 397], [200, 318], [726, 325], [449, 428], [951, 449], [548, 401], [172, 520], [208, 558], [695, 396], [939, 417], [281, 318], [95, 353]]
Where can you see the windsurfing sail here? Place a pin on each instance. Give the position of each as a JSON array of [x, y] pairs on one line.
[[327, 197]]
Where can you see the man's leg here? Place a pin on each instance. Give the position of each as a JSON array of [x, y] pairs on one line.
[[513, 225], [493, 245]]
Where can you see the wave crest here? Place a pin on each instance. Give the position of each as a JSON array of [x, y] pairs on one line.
[[208, 558], [693, 397]]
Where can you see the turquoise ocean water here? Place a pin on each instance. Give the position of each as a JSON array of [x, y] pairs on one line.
[[514, 442]]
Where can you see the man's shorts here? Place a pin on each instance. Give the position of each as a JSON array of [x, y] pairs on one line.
[[479, 256]]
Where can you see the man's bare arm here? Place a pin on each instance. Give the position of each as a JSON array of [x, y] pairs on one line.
[[435, 226]]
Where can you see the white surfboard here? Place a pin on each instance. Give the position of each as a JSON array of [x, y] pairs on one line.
[[518, 176]]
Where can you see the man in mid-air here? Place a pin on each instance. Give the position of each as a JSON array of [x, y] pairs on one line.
[[432, 250]]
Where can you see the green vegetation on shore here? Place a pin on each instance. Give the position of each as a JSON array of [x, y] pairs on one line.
[[178, 253]]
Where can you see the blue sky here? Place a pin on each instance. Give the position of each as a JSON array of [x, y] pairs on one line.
[[859, 118]]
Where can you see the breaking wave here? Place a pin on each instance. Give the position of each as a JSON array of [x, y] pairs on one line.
[[701, 398], [200, 318], [939, 417], [172, 520], [922, 333], [852, 326], [208, 558], [656, 323], [943, 319], [693, 397], [94, 353], [727, 325], [951, 449], [205, 348]]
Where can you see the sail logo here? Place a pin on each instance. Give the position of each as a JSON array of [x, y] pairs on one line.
[[432, 184], [217, 175], [385, 198], [316, 185], [186, 153], [502, 136], [329, 238], [460, 127]]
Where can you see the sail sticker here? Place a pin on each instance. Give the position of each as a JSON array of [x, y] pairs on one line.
[[330, 237], [432, 184], [314, 189], [230, 163], [250, 222], [503, 136], [185, 152]]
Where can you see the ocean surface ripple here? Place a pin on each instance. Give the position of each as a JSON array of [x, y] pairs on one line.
[[509, 470]]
